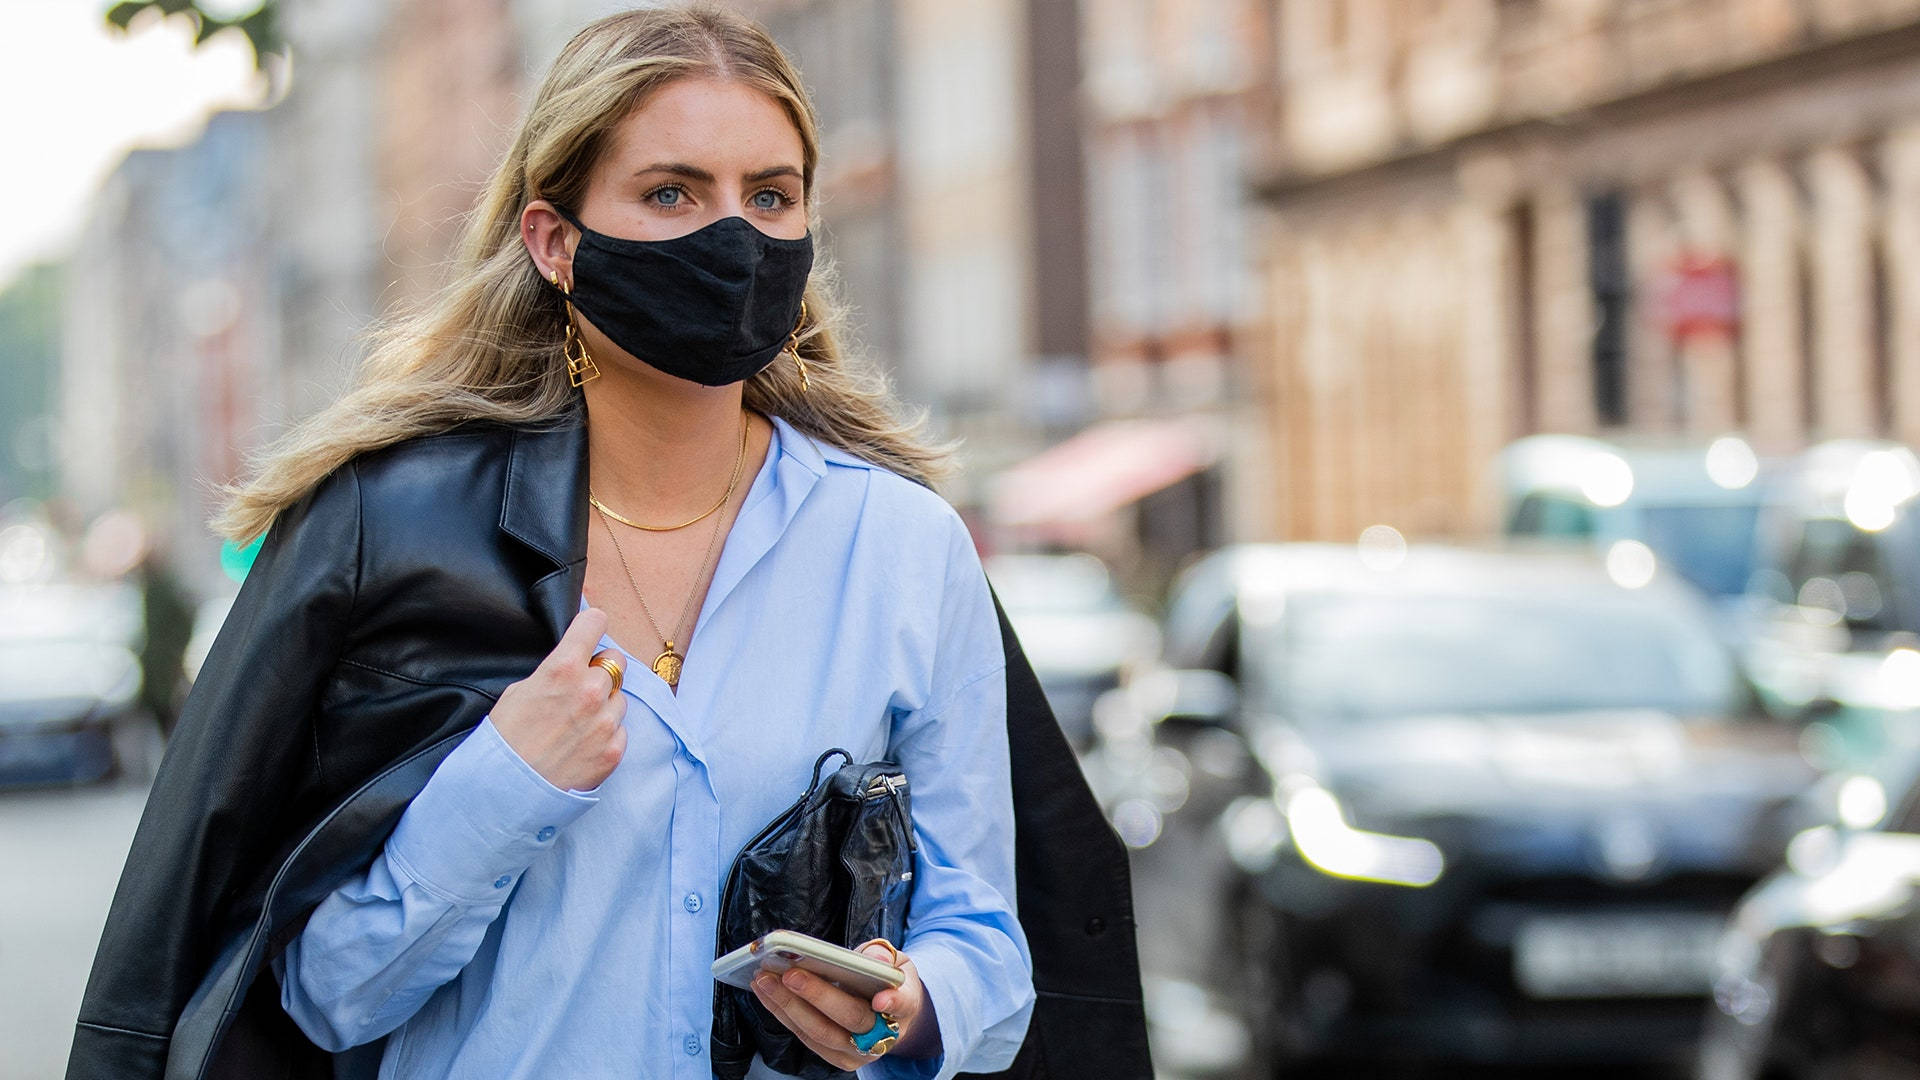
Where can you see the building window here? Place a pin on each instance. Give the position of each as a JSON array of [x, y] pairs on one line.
[[1610, 281]]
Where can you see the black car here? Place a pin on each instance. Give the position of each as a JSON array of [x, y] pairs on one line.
[[1819, 973], [1468, 807]]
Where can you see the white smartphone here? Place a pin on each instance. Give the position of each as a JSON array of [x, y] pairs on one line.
[[781, 950]]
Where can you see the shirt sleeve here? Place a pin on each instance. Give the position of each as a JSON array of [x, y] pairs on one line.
[[962, 930], [379, 945]]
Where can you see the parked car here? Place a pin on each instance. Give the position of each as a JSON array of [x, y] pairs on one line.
[[1081, 635], [1464, 806], [1836, 592], [69, 680], [1818, 976], [1695, 506]]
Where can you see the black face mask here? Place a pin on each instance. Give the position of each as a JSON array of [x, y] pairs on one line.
[[714, 306]]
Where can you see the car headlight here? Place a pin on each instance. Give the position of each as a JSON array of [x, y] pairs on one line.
[[1330, 845]]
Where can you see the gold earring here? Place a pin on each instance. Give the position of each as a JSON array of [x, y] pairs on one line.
[[793, 346], [580, 366]]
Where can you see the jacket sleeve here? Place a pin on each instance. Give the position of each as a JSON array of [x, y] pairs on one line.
[[378, 946], [219, 807]]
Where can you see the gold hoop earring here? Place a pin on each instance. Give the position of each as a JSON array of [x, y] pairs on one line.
[[580, 366], [793, 346]]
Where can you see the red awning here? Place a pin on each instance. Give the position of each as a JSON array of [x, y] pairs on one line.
[[1100, 470]]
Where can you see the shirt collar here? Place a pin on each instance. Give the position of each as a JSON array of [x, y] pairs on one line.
[[544, 506], [794, 443]]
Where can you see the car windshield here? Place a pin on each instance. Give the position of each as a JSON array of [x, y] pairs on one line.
[[1352, 656], [1710, 546]]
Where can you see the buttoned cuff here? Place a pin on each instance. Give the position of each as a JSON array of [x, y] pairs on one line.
[[482, 819]]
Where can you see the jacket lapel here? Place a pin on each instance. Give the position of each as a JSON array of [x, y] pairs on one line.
[[544, 507]]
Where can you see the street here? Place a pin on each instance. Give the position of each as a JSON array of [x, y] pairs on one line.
[[64, 849]]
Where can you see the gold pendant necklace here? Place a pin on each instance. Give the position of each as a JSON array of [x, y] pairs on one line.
[[667, 665], [731, 484]]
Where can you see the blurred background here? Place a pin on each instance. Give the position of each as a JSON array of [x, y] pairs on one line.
[[1449, 461]]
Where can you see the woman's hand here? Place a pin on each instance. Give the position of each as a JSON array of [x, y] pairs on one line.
[[562, 719], [826, 1017]]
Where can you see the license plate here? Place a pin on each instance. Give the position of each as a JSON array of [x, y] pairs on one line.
[[1663, 954]]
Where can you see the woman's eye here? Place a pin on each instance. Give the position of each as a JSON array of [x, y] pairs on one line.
[[771, 199], [665, 196]]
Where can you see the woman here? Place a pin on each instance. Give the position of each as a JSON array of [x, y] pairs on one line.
[[556, 609]]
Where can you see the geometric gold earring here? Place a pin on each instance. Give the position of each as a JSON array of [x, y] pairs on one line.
[[580, 366]]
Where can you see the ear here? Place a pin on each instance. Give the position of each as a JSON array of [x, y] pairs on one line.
[[549, 240]]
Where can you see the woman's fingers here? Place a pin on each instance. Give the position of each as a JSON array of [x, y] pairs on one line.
[[825, 1017], [892, 1002], [851, 1013], [579, 640], [566, 718], [830, 1040]]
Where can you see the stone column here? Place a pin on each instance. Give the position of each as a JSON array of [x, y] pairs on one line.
[[1324, 363], [1900, 239], [1564, 316], [1770, 305], [1843, 338], [1484, 363], [1268, 497]]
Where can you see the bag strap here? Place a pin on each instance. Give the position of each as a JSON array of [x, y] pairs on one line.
[[818, 764]]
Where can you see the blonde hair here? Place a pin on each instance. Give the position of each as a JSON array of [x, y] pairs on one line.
[[487, 345]]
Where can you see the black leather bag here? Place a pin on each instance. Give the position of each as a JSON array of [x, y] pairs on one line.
[[837, 864]]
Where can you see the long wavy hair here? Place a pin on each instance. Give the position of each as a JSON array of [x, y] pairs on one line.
[[488, 344]]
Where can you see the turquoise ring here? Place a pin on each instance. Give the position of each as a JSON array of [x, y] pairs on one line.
[[878, 1039]]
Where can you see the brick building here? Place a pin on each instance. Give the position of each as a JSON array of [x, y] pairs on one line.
[[1487, 218]]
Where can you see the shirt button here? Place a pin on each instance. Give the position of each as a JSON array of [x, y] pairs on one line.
[[503, 881], [544, 835], [693, 1046], [691, 902]]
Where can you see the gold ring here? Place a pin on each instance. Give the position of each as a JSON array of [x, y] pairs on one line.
[[893, 954], [604, 660]]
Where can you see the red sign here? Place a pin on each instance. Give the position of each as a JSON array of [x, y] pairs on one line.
[[1698, 296]]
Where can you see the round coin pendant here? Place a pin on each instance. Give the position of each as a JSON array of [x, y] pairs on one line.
[[667, 666]]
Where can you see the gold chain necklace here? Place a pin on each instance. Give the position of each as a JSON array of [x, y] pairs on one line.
[[731, 484], [667, 665]]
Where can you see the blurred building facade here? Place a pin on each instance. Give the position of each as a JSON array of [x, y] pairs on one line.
[[1176, 94], [219, 290], [1487, 218], [1178, 271], [30, 324], [951, 197], [170, 306], [1039, 212]]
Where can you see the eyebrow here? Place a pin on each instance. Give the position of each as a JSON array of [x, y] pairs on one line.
[[695, 173]]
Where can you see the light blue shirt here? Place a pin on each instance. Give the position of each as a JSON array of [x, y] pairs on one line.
[[513, 929]]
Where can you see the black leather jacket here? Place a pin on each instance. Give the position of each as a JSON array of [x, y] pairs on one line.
[[386, 611]]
